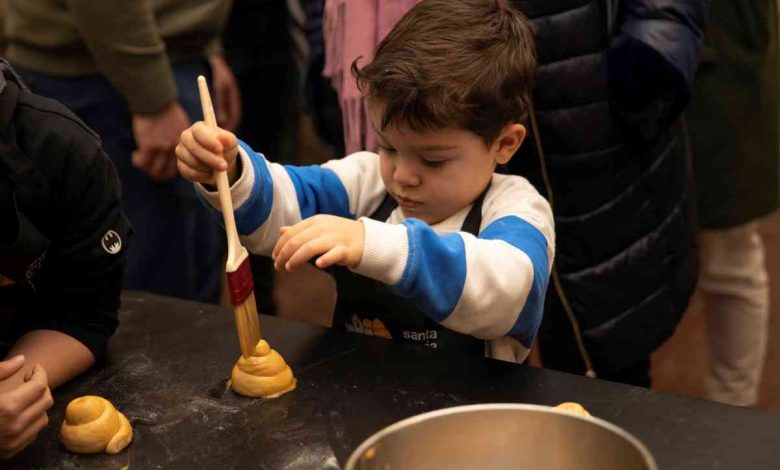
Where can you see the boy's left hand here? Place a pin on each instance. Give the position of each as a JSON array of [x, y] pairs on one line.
[[338, 240]]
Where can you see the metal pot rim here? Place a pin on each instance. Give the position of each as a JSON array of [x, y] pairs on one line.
[[371, 440]]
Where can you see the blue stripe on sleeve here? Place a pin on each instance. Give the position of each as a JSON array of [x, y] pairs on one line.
[[319, 191], [435, 271], [528, 239], [257, 207]]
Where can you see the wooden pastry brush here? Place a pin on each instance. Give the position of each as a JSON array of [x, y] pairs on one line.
[[239, 274]]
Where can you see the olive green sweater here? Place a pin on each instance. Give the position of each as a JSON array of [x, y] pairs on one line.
[[131, 42]]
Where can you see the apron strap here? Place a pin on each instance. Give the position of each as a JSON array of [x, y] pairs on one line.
[[474, 217], [382, 213]]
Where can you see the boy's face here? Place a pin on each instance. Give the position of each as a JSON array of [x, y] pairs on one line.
[[434, 174]]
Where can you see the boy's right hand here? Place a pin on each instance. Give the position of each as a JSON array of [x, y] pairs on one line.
[[23, 406], [202, 150]]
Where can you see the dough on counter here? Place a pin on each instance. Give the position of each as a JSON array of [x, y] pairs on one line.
[[92, 425], [263, 374], [574, 408]]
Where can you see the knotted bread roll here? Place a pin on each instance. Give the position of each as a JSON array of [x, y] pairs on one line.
[[263, 374], [92, 425]]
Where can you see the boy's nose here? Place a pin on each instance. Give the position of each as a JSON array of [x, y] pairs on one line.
[[405, 174]]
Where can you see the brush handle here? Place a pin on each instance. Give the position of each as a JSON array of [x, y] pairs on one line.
[[236, 253], [239, 275]]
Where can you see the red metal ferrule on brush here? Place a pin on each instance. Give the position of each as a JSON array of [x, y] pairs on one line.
[[240, 283]]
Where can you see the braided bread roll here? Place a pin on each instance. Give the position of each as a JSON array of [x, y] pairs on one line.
[[263, 374], [92, 425]]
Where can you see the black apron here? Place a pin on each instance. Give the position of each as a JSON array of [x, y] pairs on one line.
[[367, 306]]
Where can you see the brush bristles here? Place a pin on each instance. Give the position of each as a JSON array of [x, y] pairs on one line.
[[247, 324]]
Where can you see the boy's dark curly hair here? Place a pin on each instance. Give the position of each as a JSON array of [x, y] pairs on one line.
[[468, 64]]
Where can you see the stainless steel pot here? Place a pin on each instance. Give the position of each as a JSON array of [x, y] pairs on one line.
[[502, 436]]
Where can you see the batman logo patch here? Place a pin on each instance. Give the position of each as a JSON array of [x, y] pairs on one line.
[[111, 242]]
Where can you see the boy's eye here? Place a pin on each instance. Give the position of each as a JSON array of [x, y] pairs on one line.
[[386, 149], [434, 163]]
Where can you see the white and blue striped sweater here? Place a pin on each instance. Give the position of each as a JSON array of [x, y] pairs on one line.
[[491, 286]]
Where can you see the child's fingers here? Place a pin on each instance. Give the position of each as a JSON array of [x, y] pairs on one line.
[[194, 175], [282, 242], [336, 255], [14, 445], [30, 433], [184, 155], [40, 374], [229, 146], [284, 235], [279, 242], [206, 137], [33, 413], [287, 233], [28, 393], [202, 154], [307, 251], [11, 366], [227, 139], [292, 244]]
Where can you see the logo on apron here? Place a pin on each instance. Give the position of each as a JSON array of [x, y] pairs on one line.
[[367, 327], [429, 338], [375, 327]]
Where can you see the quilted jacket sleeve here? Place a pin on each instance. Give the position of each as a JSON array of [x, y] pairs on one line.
[[652, 61]]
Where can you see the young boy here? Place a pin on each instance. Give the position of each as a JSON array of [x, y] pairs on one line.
[[62, 237], [440, 250]]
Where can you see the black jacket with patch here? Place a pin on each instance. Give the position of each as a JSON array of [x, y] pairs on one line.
[[62, 231]]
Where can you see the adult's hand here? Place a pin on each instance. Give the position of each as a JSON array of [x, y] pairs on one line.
[[228, 95], [156, 136]]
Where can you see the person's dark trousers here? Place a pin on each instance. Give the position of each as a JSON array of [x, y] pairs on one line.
[[178, 246], [259, 49]]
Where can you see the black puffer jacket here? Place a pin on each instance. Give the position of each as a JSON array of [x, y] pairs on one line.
[[607, 97]]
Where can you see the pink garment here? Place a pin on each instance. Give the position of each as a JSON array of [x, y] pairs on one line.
[[352, 29]]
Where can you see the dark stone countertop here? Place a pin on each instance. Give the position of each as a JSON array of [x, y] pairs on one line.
[[168, 365]]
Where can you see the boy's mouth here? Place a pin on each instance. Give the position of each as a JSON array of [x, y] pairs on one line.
[[407, 203]]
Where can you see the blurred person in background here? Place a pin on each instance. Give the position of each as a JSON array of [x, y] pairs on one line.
[[613, 80], [128, 69], [733, 123], [318, 99]]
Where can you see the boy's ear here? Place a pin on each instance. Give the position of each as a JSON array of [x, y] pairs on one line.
[[508, 141]]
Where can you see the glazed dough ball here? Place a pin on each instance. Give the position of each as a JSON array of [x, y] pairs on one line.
[[263, 374], [574, 408], [92, 425]]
